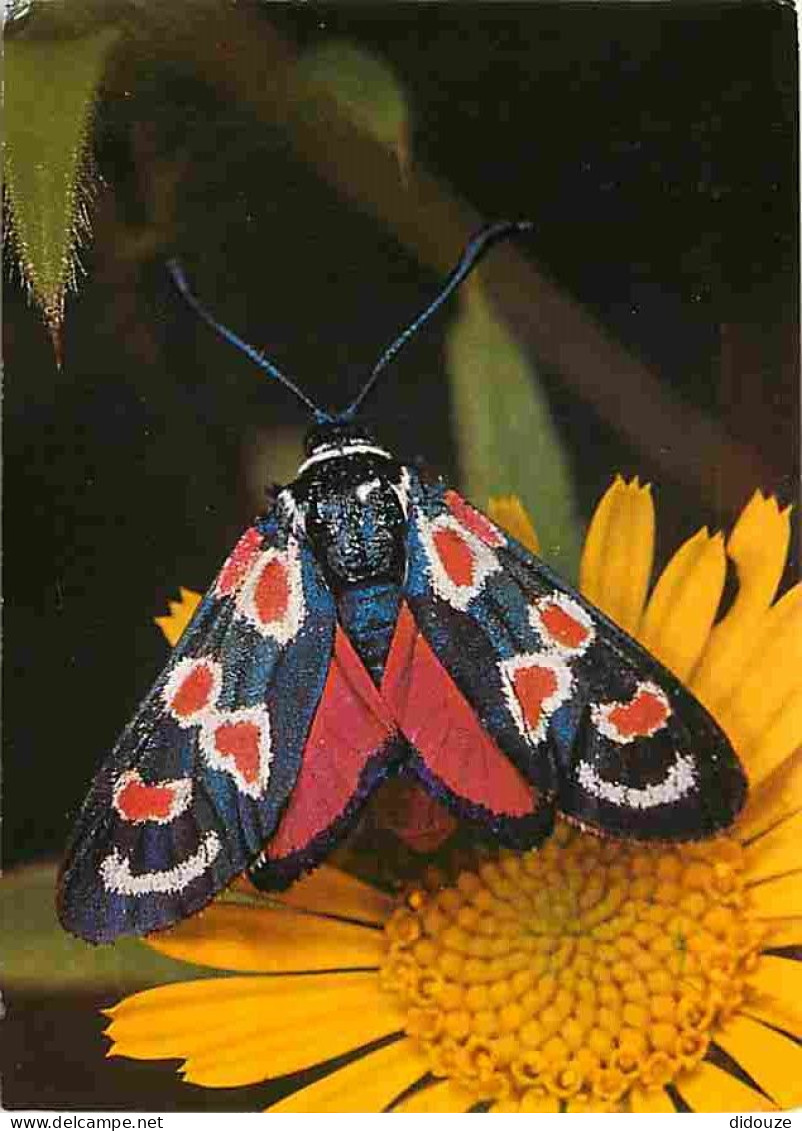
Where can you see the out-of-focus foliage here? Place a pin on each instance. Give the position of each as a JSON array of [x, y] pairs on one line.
[[38, 953], [506, 438], [50, 90], [272, 458], [365, 89]]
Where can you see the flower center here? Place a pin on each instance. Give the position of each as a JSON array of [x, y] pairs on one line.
[[578, 971]]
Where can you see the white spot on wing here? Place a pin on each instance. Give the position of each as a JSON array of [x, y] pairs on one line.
[[183, 671], [535, 730], [220, 760], [483, 561], [574, 611], [116, 874], [285, 627], [679, 781]]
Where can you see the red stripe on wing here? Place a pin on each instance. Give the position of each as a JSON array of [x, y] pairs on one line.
[[350, 725], [433, 714]]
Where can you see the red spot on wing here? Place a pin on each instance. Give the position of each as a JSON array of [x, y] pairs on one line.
[[646, 713], [350, 725], [194, 692], [440, 723], [474, 520], [241, 743], [271, 596], [561, 626], [239, 561], [534, 686], [136, 801], [455, 554]]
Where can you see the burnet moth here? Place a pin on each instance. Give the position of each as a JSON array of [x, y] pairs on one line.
[[373, 624]]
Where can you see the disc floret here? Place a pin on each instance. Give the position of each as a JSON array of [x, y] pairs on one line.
[[577, 971]]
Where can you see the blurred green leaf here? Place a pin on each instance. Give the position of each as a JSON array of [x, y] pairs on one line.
[[56, 18], [39, 954], [365, 89], [50, 88], [507, 441]]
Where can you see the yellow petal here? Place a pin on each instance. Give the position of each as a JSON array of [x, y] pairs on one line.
[[775, 993], [181, 613], [334, 892], [758, 545], [316, 1037], [166, 1016], [777, 851], [777, 797], [651, 1100], [773, 1061], [178, 998], [239, 1030], [443, 1097], [779, 1014], [773, 677], [777, 898], [507, 511], [710, 1088], [274, 940], [681, 610], [368, 1084], [619, 549], [783, 932], [594, 551], [779, 739]]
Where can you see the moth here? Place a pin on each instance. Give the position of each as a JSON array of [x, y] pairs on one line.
[[373, 623]]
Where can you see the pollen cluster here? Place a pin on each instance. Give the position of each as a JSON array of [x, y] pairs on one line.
[[577, 971]]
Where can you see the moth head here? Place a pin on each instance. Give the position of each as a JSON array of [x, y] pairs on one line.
[[336, 434]]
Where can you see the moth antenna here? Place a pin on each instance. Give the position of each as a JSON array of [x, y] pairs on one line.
[[475, 249], [180, 280]]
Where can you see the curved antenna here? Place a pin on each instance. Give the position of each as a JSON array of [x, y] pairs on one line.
[[473, 252], [180, 280]]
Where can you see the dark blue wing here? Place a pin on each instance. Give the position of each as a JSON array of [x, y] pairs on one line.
[[581, 708], [198, 780]]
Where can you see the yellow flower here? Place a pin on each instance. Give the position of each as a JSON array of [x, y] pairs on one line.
[[588, 975], [179, 616]]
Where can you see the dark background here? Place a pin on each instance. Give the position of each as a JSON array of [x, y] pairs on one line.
[[655, 147]]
